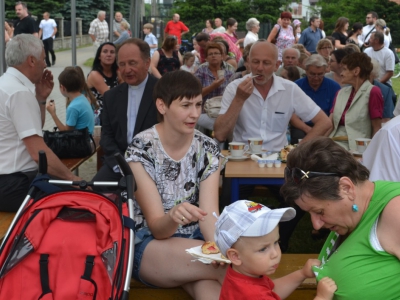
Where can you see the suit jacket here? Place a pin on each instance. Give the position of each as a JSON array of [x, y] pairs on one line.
[[114, 118]]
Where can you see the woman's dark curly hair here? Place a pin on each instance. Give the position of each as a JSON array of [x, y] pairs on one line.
[[321, 155]]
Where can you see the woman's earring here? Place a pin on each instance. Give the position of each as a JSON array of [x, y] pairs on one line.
[[354, 208]]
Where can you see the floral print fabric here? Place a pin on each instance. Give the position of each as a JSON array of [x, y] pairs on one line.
[[176, 181], [285, 39]]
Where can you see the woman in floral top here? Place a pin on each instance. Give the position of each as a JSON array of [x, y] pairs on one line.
[[284, 34], [177, 172]]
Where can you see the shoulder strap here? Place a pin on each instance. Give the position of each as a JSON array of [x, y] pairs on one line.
[[279, 30], [369, 33]]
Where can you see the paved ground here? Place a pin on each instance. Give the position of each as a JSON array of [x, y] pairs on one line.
[[64, 59]]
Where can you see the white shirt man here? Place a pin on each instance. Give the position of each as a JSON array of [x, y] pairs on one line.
[[263, 105], [368, 29], [23, 92], [383, 55], [382, 157], [218, 26], [98, 30], [47, 31]]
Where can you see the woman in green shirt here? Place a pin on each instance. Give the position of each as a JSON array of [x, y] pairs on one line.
[[363, 250]]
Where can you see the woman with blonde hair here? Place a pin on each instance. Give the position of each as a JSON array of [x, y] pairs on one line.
[[340, 32], [380, 25]]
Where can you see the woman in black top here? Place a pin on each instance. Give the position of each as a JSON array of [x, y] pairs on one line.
[[340, 32], [104, 75], [167, 58]]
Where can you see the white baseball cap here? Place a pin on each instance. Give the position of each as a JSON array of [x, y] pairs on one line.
[[247, 218]]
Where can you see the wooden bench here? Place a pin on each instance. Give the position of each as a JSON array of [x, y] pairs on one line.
[[289, 263]]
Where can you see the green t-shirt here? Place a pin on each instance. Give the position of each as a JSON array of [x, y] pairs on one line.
[[360, 272]]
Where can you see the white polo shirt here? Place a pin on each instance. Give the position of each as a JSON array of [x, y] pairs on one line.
[[382, 156], [47, 27], [269, 118], [19, 118], [385, 58]]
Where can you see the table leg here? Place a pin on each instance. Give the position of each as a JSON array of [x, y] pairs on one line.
[[234, 189], [76, 171]]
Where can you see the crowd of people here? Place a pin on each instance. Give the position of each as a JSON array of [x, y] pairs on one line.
[[326, 90]]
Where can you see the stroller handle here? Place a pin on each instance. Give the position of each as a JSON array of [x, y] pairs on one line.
[[123, 165], [42, 162]]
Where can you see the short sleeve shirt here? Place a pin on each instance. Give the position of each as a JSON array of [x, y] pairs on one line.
[[26, 25], [100, 30], [386, 60], [80, 114], [176, 181], [176, 29], [151, 40], [20, 117], [340, 37], [47, 27], [269, 117], [324, 96], [241, 287]]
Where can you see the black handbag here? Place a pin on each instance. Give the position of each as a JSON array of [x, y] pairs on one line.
[[71, 143]]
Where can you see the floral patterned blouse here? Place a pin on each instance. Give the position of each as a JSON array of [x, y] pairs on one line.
[[285, 39], [176, 181]]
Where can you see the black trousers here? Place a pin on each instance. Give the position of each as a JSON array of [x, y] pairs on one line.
[[106, 174], [48, 47], [13, 189]]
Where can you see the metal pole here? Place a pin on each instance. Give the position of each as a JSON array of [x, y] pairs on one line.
[[112, 20], [137, 19], [3, 66], [73, 31]]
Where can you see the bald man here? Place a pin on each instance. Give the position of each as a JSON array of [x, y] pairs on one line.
[[176, 28], [262, 106], [218, 26]]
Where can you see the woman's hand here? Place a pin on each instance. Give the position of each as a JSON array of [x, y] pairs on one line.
[[51, 107], [325, 289], [186, 213], [307, 269]]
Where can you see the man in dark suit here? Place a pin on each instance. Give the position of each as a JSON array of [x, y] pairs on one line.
[[127, 108]]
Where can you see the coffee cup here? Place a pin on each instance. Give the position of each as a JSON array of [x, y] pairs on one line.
[[238, 149], [255, 145], [221, 74], [97, 130], [362, 144]]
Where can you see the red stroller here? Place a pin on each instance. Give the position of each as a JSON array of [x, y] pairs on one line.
[[69, 244]]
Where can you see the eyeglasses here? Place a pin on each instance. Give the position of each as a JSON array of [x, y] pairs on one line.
[[313, 75], [298, 174], [214, 54]]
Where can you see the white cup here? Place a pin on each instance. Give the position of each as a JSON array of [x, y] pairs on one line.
[[238, 149], [97, 130], [362, 144], [270, 164], [221, 74], [255, 145]]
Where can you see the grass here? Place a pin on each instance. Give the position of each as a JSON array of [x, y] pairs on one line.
[[89, 62]]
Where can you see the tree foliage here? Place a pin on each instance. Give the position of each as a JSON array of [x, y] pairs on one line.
[[195, 12], [356, 11]]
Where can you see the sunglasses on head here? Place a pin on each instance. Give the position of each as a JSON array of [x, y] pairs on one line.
[[298, 174]]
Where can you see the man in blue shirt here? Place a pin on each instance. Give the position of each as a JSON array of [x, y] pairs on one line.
[[310, 36], [320, 89]]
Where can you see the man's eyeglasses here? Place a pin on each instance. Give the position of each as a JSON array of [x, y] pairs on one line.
[[298, 174], [214, 54], [313, 75]]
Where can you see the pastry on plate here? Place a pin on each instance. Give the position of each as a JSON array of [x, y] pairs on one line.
[[209, 248]]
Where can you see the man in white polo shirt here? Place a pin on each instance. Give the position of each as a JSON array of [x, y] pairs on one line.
[[24, 89], [263, 105], [47, 32]]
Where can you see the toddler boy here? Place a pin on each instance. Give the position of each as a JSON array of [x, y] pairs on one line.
[[247, 233], [150, 37]]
